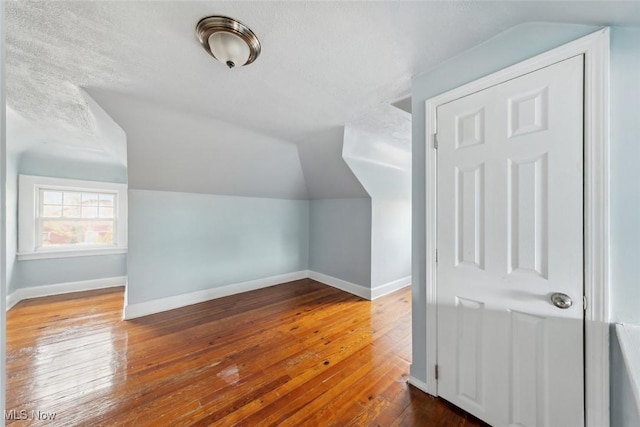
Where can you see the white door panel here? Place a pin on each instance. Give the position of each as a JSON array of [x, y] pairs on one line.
[[510, 234]]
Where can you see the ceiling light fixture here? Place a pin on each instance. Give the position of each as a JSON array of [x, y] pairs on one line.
[[227, 40]]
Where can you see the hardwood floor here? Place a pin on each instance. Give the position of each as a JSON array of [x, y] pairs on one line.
[[300, 353]]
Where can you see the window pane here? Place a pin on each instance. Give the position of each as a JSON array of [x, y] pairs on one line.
[[107, 200], [51, 211], [52, 197], [71, 211], [106, 212], [90, 199], [91, 212], [71, 198], [66, 232]]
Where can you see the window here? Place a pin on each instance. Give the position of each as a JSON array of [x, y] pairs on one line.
[[67, 218], [63, 217]]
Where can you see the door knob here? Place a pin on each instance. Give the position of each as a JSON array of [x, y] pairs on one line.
[[561, 300]]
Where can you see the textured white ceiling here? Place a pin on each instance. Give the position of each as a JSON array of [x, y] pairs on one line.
[[377, 148], [322, 63]]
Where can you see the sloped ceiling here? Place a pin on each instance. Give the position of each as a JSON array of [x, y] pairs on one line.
[[322, 63], [377, 147], [170, 150]]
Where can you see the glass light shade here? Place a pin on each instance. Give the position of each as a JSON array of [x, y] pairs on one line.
[[229, 48]]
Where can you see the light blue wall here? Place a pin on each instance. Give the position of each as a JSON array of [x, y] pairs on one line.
[[377, 148], [390, 240], [625, 180], [625, 411], [340, 239], [183, 242], [625, 212], [508, 48], [35, 151], [60, 270], [45, 165]]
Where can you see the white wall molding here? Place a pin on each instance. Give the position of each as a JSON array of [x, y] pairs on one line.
[[63, 288], [12, 299], [132, 311], [70, 254], [343, 285], [387, 288], [595, 48], [418, 384], [359, 290]]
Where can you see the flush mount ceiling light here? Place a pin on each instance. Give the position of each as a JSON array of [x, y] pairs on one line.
[[227, 40]]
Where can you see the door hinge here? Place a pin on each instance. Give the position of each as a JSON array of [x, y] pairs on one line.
[[436, 371], [435, 141], [584, 302]]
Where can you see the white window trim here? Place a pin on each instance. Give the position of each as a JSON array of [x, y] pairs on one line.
[[28, 190], [595, 48]]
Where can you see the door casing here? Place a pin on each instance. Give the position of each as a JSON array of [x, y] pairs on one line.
[[595, 48]]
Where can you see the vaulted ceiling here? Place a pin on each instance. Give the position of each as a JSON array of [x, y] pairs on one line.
[[323, 64]]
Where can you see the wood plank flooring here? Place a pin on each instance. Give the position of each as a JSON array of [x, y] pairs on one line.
[[297, 354]]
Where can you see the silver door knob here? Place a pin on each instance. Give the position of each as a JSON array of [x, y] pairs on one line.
[[561, 300]]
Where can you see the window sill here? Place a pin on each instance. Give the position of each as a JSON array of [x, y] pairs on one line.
[[28, 256]]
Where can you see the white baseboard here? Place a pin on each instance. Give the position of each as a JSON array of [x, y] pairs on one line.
[[132, 311], [12, 299], [343, 285], [359, 290], [420, 385], [63, 288], [387, 288]]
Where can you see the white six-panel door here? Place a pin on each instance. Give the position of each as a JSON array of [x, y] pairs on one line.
[[509, 235]]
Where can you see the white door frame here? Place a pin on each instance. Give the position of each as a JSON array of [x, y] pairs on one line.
[[595, 48]]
